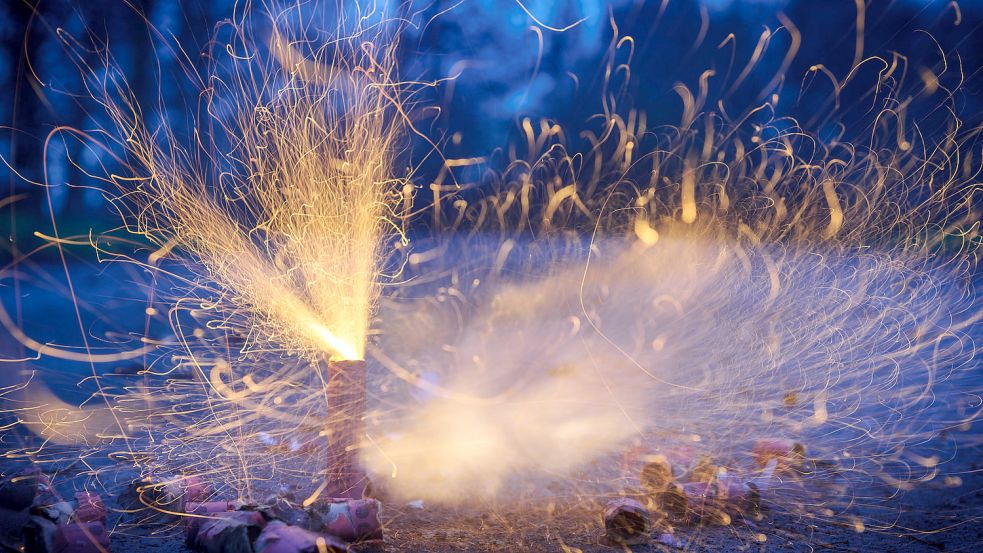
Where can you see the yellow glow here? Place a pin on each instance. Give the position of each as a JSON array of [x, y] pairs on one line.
[[345, 350]]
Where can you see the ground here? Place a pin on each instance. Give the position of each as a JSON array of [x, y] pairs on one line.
[[942, 514]]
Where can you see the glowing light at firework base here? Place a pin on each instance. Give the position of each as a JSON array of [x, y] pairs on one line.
[[345, 350]]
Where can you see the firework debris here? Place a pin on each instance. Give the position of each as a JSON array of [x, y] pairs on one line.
[[58, 526], [656, 475], [627, 522], [202, 513], [787, 453], [167, 495], [681, 487], [229, 532], [17, 493], [279, 537], [35, 519], [210, 507], [351, 519], [218, 526]]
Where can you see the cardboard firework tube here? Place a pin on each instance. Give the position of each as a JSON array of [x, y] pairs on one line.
[[209, 507], [626, 521], [656, 475], [346, 411], [673, 502], [353, 520]]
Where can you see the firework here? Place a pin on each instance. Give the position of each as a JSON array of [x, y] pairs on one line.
[[686, 323]]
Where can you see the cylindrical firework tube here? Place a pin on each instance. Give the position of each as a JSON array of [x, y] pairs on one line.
[[346, 422], [626, 522]]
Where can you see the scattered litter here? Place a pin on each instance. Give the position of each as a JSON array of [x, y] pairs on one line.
[[415, 504]]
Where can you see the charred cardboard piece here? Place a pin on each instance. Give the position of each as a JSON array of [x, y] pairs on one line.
[[232, 532]]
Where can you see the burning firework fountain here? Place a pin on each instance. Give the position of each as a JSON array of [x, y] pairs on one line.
[[690, 321]]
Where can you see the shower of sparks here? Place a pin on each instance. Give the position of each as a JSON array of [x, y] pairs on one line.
[[688, 288]]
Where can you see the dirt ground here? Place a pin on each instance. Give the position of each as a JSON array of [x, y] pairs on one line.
[[942, 514], [935, 516]]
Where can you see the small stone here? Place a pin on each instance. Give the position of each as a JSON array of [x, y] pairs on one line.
[[670, 539], [791, 399]]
